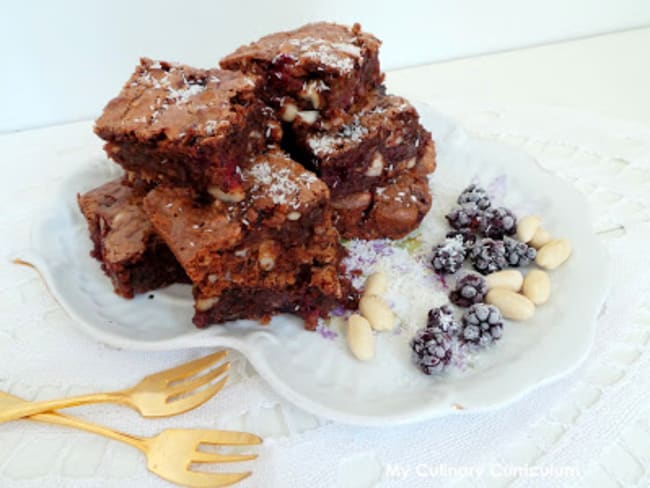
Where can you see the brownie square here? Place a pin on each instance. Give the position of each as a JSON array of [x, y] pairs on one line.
[[381, 141], [254, 268], [283, 206], [390, 211], [132, 255], [185, 126], [326, 67]]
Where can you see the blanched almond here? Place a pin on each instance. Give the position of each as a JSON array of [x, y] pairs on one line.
[[377, 311], [553, 254], [509, 279], [537, 287], [541, 238], [512, 305], [360, 339], [526, 227], [376, 284]]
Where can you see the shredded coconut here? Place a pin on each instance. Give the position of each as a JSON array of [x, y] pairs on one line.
[[322, 144], [281, 185], [337, 55], [412, 287]]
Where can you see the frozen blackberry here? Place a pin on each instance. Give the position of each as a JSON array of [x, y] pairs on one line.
[[469, 238], [482, 325], [488, 256], [475, 194], [466, 217], [431, 350], [449, 256], [442, 319], [518, 253], [498, 222], [470, 289]]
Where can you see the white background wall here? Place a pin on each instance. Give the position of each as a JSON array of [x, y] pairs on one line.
[[62, 60]]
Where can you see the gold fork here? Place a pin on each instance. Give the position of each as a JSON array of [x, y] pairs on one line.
[[162, 394], [171, 453]]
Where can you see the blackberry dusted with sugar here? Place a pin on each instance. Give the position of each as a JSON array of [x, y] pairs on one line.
[[518, 253], [476, 195], [482, 326], [442, 319], [466, 217], [431, 350], [469, 238], [470, 289], [449, 256], [498, 222], [488, 256]]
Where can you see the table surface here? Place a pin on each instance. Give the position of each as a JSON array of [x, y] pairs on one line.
[[603, 78]]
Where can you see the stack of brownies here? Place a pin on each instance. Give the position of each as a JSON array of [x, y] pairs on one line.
[[212, 196]]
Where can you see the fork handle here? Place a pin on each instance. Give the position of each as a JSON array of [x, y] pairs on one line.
[[75, 423], [28, 409]]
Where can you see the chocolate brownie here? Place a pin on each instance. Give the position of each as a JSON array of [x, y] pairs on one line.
[[227, 256], [131, 253], [325, 67], [314, 292], [378, 143], [193, 127], [390, 211], [266, 278]]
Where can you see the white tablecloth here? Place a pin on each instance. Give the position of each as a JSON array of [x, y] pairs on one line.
[[591, 428]]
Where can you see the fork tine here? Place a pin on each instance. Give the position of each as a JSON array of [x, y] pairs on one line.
[[197, 479], [213, 457], [188, 403], [190, 369], [195, 383], [229, 438]]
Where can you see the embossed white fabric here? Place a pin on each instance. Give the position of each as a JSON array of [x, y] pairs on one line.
[[594, 424]]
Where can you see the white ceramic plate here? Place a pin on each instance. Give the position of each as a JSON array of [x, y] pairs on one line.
[[320, 375]]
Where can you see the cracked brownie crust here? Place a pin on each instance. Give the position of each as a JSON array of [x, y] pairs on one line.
[[124, 242], [184, 126]]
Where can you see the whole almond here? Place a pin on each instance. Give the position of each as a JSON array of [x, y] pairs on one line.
[[537, 286], [553, 254], [377, 311], [540, 238], [360, 339], [376, 284], [509, 279], [526, 227], [512, 305]]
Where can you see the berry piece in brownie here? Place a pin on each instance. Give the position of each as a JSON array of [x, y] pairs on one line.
[[390, 211], [184, 126], [132, 255], [326, 67], [381, 141]]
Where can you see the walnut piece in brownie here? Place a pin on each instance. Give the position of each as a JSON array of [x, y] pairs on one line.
[[390, 211], [326, 67], [192, 127], [381, 141], [132, 255]]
